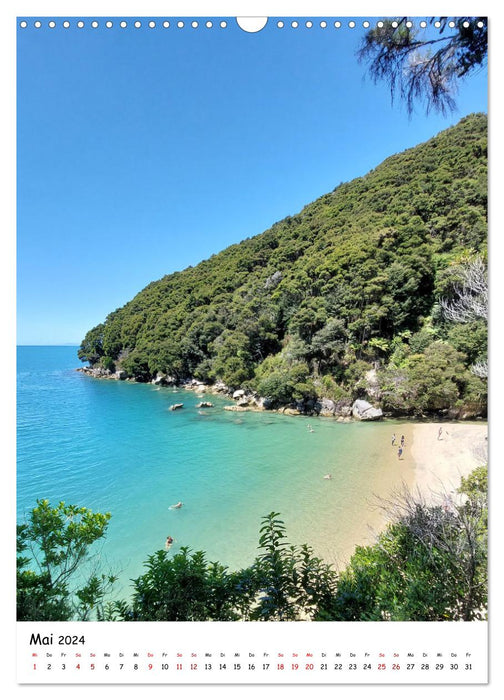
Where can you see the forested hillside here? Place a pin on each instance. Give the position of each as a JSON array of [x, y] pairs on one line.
[[350, 284]]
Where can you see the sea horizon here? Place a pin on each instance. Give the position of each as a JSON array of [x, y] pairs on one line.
[[47, 345]]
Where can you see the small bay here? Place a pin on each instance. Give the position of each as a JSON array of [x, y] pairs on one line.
[[116, 447]]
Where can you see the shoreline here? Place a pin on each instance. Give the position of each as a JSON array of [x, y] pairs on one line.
[[245, 401]]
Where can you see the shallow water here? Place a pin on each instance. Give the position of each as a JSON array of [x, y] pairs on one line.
[[116, 446]]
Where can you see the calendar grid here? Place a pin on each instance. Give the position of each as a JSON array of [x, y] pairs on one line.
[[171, 653]]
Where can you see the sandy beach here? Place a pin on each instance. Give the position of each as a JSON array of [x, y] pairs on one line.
[[439, 463], [428, 465]]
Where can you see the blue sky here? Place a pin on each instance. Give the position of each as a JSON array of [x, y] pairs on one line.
[[143, 151]]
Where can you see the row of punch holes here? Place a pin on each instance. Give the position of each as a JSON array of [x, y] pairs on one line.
[[248, 24]]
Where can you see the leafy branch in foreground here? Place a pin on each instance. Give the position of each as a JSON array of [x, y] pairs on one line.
[[183, 587], [50, 582], [292, 583]]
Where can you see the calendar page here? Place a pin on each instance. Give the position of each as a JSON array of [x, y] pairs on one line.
[[252, 346]]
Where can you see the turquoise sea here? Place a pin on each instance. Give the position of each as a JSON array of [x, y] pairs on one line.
[[115, 446]]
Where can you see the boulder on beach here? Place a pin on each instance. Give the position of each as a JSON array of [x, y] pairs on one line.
[[219, 387], [325, 407], [292, 410], [362, 410]]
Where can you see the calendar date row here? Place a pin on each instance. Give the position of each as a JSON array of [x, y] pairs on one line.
[[283, 666]]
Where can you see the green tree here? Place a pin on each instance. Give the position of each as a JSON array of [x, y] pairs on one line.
[[308, 319], [233, 361], [184, 586], [426, 382], [53, 547], [136, 365], [328, 344], [434, 377], [292, 583], [108, 363], [471, 339], [282, 380], [425, 66], [91, 349]]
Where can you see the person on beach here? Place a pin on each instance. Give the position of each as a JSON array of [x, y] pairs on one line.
[[399, 453], [177, 505], [169, 542], [447, 503], [439, 433], [402, 441], [393, 439]]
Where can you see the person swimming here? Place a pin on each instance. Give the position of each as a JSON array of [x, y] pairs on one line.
[[169, 542], [328, 476], [177, 505]]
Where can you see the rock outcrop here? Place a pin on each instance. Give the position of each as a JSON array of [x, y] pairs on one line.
[[362, 410], [373, 385], [97, 372], [341, 408]]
